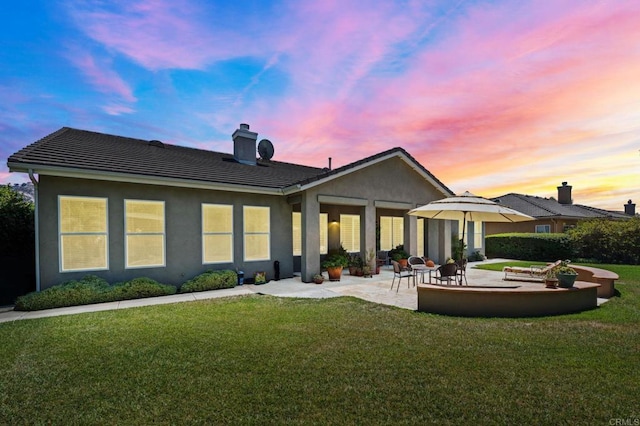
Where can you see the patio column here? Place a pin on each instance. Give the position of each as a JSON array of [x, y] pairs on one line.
[[439, 242], [368, 232], [310, 259], [411, 234]]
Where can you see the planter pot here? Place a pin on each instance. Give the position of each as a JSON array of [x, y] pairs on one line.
[[403, 263], [318, 280], [359, 272], [566, 280], [335, 273], [551, 283], [353, 270]]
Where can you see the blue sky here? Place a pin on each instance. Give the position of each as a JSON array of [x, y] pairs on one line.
[[492, 97]]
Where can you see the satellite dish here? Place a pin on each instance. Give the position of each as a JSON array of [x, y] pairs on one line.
[[265, 149]]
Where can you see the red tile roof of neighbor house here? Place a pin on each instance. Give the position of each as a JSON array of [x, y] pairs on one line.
[[80, 151], [542, 208]]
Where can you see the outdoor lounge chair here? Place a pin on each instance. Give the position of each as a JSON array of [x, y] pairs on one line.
[[530, 273], [401, 273]]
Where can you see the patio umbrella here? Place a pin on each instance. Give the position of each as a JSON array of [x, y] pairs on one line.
[[468, 207]]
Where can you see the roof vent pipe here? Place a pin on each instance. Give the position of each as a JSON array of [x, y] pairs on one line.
[[329, 163]]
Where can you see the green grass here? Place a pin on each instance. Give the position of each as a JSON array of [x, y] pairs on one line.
[[261, 359]]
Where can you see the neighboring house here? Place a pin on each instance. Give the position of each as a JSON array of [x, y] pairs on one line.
[[551, 215], [120, 208]]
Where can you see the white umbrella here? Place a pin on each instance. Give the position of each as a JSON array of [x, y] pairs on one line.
[[471, 207]]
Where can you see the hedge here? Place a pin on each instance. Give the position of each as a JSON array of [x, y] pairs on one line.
[[88, 290], [210, 280], [530, 246]]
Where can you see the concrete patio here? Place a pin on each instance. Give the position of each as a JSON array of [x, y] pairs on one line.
[[376, 289]]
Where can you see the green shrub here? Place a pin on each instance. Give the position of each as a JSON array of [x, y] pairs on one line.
[[138, 288], [530, 246], [91, 289], [608, 241], [210, 280]]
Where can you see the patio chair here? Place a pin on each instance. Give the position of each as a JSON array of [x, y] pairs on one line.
[[401, 273], [447, 272], [530, 273], [415, 260], [462, 271]]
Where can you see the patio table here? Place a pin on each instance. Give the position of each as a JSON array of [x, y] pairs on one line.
[[423, 269]]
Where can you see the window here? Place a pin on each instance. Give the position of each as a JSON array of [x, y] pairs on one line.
[[297, 233], [83, 235], [217, 233], [543, 229], [144, 233], [350, 232], [391, 232], [420, 232], [257, 233], [296, 219], [478, 241], [324, 233]]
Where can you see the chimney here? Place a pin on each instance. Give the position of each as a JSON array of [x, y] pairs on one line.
[[244, 145], [630, 208], [564, 194]]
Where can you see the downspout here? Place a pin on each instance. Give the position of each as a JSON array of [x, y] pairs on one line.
[[36, 226]]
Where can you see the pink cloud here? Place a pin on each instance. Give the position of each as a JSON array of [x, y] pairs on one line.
[[100, 75]]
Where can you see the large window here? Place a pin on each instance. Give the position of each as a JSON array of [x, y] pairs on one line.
[[350, 232], [83, 235], [296, 220], [217, 233], [391, 232], [144, 233], [257, 233]]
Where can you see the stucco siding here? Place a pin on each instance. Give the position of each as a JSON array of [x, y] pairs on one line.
[[183, 230]]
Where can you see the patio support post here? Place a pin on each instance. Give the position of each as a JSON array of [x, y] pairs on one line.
[[411, 235], [310, 259], [439, 244], [369, 228]]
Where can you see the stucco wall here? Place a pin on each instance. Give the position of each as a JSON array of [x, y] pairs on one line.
[[183, 230]]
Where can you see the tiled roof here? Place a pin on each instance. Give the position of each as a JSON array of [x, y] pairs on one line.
[[543, 208], [84, 150], [81, 150]]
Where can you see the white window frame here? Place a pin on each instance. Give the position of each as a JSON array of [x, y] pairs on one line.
[[351, 248], [163, 234], [205, 233], [61, 234], [296, 230], [396, 223], [546, 227], [323, 232], [245, 233]]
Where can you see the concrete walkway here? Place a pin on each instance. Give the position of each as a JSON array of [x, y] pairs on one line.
[[376, 289]]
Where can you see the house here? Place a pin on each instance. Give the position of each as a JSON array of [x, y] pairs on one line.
[[551, 215], [119, 208]]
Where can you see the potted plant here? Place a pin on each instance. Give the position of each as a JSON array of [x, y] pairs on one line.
[[334, 262], [563, 273], [355, 264], [399, 255], [369, 264], [260, 278], [318, 278], [550, 279]]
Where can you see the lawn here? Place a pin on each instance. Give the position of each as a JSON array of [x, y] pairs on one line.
[[262, 359]]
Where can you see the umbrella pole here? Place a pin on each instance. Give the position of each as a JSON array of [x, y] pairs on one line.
[[464, 225]]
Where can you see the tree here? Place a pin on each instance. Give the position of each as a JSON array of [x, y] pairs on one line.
[[17, 237]]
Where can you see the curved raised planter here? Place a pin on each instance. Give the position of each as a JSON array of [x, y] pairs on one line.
[[514, 301], [605, 278]]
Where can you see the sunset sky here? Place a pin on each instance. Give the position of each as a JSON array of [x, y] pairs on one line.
[[491, 96]]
